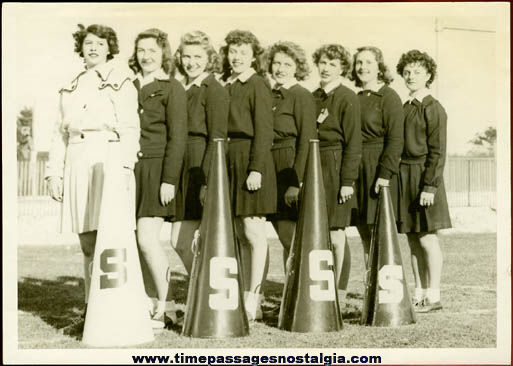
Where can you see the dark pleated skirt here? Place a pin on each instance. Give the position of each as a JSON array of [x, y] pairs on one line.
[[367, 176], [147, 179], [414, 218], [245, 203], [339, 215], [283, 157], [188, 205]]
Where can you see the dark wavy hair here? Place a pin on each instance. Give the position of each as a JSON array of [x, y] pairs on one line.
[[334, 52], [239, 37], [198, 38], [295, 52], [384, 73], [101, 31], [162, 41], [422, 58]]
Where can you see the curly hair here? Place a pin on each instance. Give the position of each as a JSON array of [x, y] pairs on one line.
[[101, 31], [238, 37], [295, 52], [162, 41], [421, 58], [334, 52], [198, 38], [384, 73]]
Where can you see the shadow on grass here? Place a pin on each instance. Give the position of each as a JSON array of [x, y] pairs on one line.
[[273, 293], [60, 302]]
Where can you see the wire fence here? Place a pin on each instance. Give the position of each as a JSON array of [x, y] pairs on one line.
[[469, 182]]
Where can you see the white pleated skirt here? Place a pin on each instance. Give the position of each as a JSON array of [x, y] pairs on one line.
[[84, 173]]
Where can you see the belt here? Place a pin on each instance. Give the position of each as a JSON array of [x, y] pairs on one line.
[[330, 144], [82, 135], [233, 140], [196, 138], [283, 143], [375, 141], [414, 160]]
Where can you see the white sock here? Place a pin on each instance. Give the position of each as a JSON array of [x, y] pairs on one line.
[[342, 295], [420, 293], [161, 306], [433, 294], [170, 306]]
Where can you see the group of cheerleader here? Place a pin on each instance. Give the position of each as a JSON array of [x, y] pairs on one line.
[[251, 97]]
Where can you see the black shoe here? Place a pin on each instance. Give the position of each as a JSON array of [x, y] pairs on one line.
[[274, 312], [428, 306]]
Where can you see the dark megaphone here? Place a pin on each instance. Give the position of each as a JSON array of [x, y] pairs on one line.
[[310, 302], [387, 301], [215, 307]]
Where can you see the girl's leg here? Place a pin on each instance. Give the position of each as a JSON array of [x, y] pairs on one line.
[[418, 264], [365, 232], [87, 244], [285, 230], [182, 235], [245, 253], [342, 264], [148, 238], [256, 241], [434, 262]]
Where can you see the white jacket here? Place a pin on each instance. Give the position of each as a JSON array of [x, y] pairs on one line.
[[103, 98]]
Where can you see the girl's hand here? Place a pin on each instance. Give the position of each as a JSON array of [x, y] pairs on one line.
[[346, 192], [167, 193], [129, 176], [380, 182], [254, 181], [291, 196], [203, 194], [427, 199], [55, 186]]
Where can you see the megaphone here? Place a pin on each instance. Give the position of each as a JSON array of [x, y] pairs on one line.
[[117, 312], [215, 307], [309, 302], [386, 300]]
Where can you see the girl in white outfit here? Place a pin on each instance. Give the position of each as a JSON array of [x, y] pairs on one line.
[[97, 108]]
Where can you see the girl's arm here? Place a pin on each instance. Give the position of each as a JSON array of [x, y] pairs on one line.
[[351, 128], [304, 113], [125, 105], [217, 111], [176, 119], [261, 105], [393, 118], [57, 154], [436, 130]]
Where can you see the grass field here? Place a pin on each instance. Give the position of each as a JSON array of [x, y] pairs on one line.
[[50, 296]]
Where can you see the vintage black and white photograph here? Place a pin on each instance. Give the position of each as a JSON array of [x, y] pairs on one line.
[[256, 183]]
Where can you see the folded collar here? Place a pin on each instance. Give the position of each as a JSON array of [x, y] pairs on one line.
[[420, 95], [156, 75], [332, 85], [196, 81], [376, 89], [289, 84], [242, 77]]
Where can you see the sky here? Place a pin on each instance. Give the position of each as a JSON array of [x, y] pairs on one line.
[[38, 46]]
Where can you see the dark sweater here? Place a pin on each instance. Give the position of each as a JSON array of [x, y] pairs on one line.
[[341, 126], [251, 117], [163, 125], [207, 111], [294, 117], [425, 139], [382, 120]]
